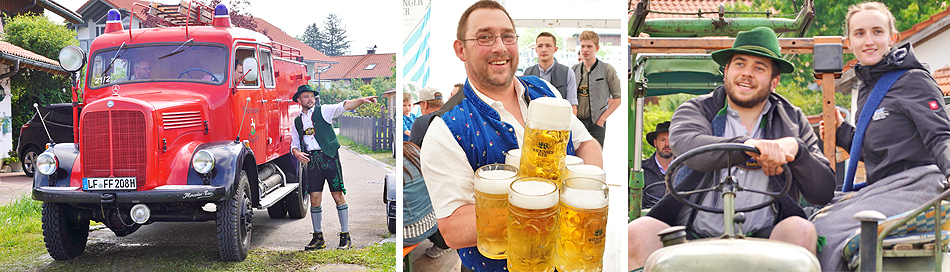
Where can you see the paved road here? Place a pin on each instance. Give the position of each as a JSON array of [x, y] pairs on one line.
[[367, 219]]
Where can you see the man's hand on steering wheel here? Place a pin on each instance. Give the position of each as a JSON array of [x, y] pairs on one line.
[[773, 153]]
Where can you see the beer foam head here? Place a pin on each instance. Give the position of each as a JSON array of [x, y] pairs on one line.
[[573, 160], [584, 170], [513, 157], [494, 181], [549, 113], [533, 193], [584, 193]]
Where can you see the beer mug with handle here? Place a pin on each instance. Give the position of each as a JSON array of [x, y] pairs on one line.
[[532, 203], [491, 208], [582, 220]]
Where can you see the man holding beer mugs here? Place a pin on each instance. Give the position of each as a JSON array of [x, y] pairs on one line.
[[477, 127], [743, 110]]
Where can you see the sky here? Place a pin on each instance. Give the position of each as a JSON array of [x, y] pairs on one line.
[[376, 22]]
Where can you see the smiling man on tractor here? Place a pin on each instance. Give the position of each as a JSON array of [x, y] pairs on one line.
[[743, 110]]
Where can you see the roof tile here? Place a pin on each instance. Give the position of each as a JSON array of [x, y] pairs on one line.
[[8, 48]]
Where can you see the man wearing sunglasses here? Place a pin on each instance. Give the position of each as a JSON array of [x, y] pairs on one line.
[[487, 118]]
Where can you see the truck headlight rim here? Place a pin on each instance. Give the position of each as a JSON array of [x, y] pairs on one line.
[[47, 163], [203, 162]]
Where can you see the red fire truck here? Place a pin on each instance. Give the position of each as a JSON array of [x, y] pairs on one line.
[[183, 123]]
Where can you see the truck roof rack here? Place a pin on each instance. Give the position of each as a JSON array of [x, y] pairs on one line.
[[183, 14], [286, 52]]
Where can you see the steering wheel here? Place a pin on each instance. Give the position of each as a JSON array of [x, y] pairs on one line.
[[727, 183], [213, 78]]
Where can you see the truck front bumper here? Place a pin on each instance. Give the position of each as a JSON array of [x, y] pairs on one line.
[[167, 193]]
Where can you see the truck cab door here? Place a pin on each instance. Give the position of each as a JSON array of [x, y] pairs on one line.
[[249, 100]]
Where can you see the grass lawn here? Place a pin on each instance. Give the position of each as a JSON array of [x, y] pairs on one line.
[[22, 248], [385, 156]]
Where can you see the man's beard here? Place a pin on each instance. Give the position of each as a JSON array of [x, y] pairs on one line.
[[664, 154], [487, 77], [759, 97]]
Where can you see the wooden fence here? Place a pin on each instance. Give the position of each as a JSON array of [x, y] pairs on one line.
[[377, 134]]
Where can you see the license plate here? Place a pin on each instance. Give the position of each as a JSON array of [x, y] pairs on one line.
[[122, 183]]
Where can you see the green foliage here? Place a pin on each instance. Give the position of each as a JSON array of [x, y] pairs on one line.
[[657, 113], [336, 94], [42, 36], [382, 84], [331, 40], [312, 36]]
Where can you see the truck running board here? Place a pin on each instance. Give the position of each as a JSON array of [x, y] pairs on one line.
[[277, 194]]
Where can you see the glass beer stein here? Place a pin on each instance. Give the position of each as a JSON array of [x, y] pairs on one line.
[[547, 132], [532, 223], [491, 208], [582, 220]]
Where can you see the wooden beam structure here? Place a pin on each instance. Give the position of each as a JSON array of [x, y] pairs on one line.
[[708, 45]]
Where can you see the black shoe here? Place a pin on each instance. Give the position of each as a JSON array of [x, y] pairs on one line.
[[316, 242], [344, 240]]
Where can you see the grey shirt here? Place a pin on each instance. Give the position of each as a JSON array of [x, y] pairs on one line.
[[711, 224]]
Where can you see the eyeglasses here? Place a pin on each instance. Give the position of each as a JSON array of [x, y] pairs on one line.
[[489, 39], [144, 68]]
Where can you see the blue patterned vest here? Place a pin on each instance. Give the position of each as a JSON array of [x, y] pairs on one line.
[[478, 129]]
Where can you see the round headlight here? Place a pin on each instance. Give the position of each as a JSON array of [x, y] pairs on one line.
[[203, 162], [71, 58], [46, 163]]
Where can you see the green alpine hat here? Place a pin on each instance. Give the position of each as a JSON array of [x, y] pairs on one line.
[[304, 88], [760, 41]]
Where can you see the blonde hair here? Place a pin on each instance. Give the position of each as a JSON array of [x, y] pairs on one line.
[[878, 6], [406, 97], [590, 35]]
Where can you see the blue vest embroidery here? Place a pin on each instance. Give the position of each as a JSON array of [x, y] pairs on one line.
[[478, 129]]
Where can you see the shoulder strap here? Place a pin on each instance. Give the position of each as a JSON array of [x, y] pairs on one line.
[[298, 122], [867, 111], [453, 101]]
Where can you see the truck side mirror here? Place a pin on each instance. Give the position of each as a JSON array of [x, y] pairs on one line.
[[250, 69]]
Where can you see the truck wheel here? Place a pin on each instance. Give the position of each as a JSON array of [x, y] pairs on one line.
[[277, 211], [64, 232], [297, 203], [29, 160], [233, 221]]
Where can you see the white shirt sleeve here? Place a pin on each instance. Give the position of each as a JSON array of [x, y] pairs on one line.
[[449, 177], [294, 139], [332, 111]]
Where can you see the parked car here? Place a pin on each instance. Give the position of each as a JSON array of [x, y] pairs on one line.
[[33, 137], [389, 197]]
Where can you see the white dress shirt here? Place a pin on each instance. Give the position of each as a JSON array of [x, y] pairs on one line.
[[329, 113], [449, 177]]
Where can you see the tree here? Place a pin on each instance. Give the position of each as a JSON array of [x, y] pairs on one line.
[[42, 36], [312, 36], [334, 42]]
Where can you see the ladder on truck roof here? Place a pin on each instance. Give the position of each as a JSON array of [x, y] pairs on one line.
[[185, 13], [190, 13]]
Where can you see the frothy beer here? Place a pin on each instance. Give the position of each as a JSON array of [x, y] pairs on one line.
[[582, 220], [532, 224], [491, 208], [547, 132]]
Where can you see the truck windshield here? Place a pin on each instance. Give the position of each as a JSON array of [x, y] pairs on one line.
[[190, 62]]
